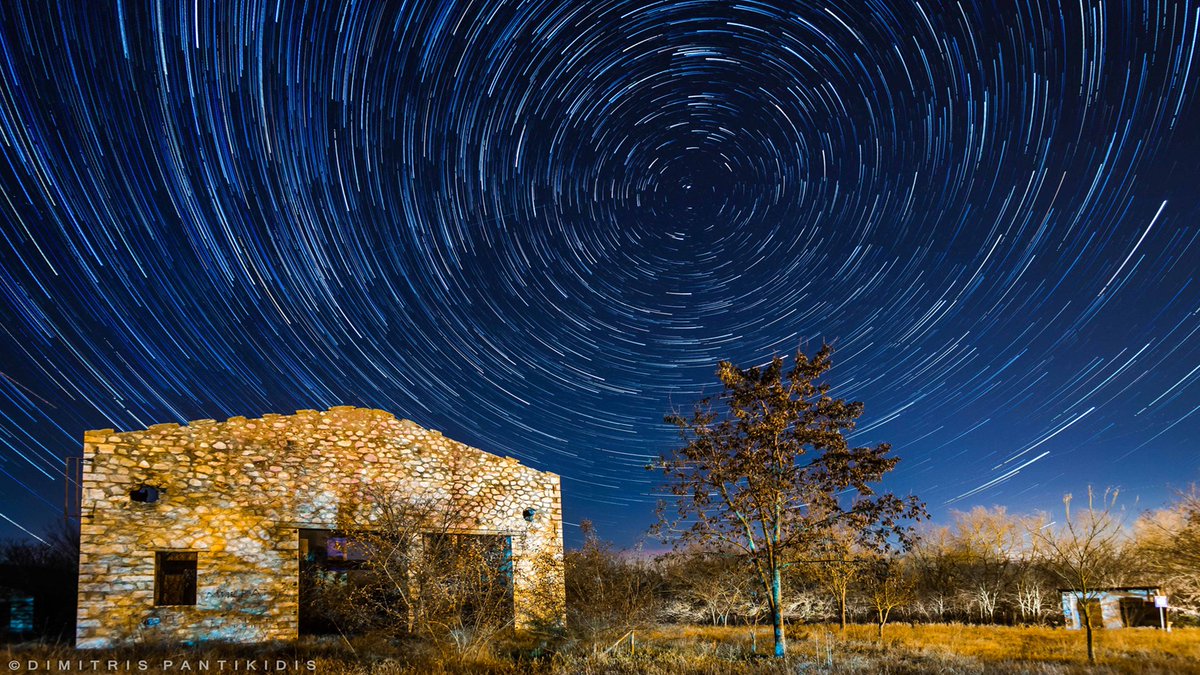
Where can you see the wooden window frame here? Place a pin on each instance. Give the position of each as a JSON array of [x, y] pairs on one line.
[[187, 561]]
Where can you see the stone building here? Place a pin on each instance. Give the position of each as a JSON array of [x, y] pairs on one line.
[[194, 532]]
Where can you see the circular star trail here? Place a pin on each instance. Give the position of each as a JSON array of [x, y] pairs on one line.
[[537, 226]]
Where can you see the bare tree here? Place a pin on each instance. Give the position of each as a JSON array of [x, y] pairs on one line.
[[984, 566], [1031, 593], [840, 562], [57, 548], [988, 542], [889, 586], [47, 568], [1086, 551], [715, 583], [1168, 545], [1032, 585], [609, 592], [938, 571], [765, 469], [412, 568], [806, 604]]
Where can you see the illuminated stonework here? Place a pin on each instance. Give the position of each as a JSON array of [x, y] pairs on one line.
[[236, 494]]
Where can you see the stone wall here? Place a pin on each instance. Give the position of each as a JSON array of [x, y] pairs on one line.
[[236, 492]]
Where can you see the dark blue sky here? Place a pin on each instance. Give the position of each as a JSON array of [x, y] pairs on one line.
[[537, 226]]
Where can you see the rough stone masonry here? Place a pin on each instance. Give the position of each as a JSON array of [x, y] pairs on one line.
[[229, 498]]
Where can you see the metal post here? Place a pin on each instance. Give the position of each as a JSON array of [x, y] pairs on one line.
[[1160, 601]]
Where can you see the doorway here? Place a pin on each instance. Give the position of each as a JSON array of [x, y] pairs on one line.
[[329, 567]]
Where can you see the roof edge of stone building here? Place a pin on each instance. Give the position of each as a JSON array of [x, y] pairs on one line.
[[239, 419], [102, 435]]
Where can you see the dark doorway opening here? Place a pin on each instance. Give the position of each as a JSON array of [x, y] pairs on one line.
[[330, 566], [1137, 612]]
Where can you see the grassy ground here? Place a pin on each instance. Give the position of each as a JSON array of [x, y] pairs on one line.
[[672, 650], [956, 648]]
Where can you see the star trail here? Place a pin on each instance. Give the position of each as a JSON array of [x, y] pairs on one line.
[[537, 226]]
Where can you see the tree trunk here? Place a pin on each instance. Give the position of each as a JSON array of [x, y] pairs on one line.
[[777, 613], [1086, 616], [1091, 648], [842, 607]]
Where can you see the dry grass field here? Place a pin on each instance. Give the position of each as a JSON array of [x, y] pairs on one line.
[[952, 648], [681, 650]]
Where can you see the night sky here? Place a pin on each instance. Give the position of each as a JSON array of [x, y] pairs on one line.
[[537, 226]]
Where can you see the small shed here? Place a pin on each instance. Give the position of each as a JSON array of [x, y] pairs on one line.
[[1115, 607]]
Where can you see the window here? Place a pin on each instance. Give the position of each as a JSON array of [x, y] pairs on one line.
[[344, 548], [175, 578], [20, 614], [146, 494], [472, 573], [486, 553]]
